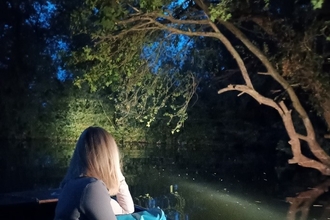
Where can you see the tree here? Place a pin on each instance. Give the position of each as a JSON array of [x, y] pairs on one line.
[[251, 31], [26, 68], [34, 102], [120, 69]]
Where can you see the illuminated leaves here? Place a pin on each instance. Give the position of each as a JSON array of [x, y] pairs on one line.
[[317, 3], [151, 4], [113, 65], [220, 11]]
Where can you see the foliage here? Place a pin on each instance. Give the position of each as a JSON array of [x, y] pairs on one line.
[[116, 67], [270, 36], [34, 103], [297, 53], [123, 52], [26, 70], [317, 4], [220, 11]]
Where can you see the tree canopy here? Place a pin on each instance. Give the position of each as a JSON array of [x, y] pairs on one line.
[[285, 40], [150, 64], [26, 68]]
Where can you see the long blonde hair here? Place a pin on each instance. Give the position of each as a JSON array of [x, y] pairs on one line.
[[96, 155]]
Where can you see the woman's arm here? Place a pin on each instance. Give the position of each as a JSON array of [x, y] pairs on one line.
[[124, 197], [95, 202]]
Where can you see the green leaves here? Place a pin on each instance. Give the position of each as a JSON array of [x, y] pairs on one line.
[[220, 11], [111, 63], [317, 4], [266, 4], [150, 5]]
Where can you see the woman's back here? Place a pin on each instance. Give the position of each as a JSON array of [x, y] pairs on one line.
[[84, 198]]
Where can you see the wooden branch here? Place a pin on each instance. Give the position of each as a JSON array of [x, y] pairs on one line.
[[157, 16], [272, 71], [242, 94], [203, 6], [253, 93], [298, 157], [302, 137], [310, 163], [234, 53], [154, 18], [285, 113], [264, 73], [160, 26], [134, 8], [313, 144], [138, 18], [179, 21], [151, 18]]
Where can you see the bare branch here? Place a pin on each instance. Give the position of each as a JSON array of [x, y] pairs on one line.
[[241, 94], [309, 163], [235, 54], [272, 71], [156, 16], [313, 144], [257, 96], [262, 73], [302, 137], [134, 8]]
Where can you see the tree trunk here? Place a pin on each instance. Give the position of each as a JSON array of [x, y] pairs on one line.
[[324, 165]]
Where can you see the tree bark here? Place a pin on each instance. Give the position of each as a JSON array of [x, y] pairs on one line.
[[313, 83], [285, 114], [310, 136], [304, 200]]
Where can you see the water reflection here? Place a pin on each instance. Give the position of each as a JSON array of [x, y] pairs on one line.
[[172, 203], [202, 200], [187, 185], [37, 164], [301, 205]]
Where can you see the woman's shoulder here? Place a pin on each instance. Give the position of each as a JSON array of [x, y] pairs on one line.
[[82, 182], [95, 190], [93, 182]]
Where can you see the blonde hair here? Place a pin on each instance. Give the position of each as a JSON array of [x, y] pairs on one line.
[[96, 155]]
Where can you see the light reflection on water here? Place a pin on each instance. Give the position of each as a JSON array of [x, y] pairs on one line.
[[202, 200], [197, 193]]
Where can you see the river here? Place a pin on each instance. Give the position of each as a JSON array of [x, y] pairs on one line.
[[186, 185]]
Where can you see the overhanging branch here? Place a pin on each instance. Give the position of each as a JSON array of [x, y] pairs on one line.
[[253, 93]]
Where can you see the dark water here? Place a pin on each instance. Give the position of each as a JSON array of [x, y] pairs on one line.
[[186, 184]]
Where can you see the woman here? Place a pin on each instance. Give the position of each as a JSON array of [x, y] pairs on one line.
[[93, 176]]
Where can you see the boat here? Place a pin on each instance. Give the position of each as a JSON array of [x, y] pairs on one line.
[[40, 204]]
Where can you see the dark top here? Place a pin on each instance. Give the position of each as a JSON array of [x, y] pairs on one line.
[[84, 198]]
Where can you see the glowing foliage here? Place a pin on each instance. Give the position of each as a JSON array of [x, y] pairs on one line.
[[317, 3], [220, 11], [110, 62], [112, 36]]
